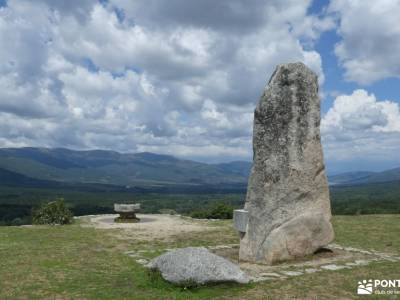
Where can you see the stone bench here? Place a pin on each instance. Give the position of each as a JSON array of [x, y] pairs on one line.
[[127, 212]]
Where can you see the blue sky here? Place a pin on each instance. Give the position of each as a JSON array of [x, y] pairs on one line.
[[325, 45], [183, 77]]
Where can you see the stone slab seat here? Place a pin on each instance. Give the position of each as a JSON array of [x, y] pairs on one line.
[[126, 208], [127, 212]]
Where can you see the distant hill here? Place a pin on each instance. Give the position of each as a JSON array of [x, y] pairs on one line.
[[343, 178], [14, 179], [385, 176], [110, 167], [43, 166], [351, 178]]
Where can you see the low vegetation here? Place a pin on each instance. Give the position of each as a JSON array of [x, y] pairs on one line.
[[218, 210], [373, 198], [52, 213], [16, 203]]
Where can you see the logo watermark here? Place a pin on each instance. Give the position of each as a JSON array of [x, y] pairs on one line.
[[365, 287], [379, 287]]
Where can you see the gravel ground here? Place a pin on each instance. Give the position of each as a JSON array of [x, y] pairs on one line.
[[154, 226]]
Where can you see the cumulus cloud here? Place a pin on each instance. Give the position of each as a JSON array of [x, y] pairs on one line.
[[359, 127], [369, 49], [173, 77]]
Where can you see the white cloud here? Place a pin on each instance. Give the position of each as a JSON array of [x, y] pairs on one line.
[[178, 77], [360, 127], [369, 49]]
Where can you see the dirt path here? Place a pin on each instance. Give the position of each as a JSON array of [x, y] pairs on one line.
[[154, 226]]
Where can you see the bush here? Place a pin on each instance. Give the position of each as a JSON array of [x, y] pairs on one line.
[[53, 213], [219, 210], [200, 214]]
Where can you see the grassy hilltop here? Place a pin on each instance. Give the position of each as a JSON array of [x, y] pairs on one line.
[[74, 262]]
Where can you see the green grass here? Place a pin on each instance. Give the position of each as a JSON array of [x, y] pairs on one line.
[[80, 263], [374, 232], [73, 262]]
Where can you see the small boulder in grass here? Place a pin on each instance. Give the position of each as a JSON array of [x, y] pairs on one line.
[[196, 265]]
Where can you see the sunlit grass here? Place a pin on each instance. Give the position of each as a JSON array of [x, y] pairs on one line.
[[71, 262]]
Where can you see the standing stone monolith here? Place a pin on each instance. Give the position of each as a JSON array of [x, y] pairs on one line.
[[287, 198]]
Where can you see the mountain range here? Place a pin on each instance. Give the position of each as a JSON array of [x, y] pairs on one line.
[[109, 167], [34, 166], [364, 177]]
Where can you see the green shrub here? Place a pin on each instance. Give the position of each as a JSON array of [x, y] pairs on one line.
[[218, 210], [53, 213], [200, 214], [221, 211]]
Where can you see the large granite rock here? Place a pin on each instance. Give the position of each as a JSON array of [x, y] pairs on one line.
[[197, 265], [287, 197]]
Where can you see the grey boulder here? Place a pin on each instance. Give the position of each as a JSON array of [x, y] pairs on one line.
[[196, 264]]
